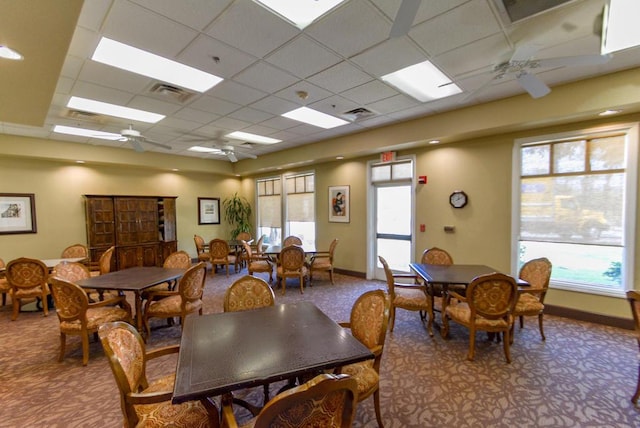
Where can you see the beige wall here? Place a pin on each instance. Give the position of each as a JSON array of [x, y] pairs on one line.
[[58, 189]]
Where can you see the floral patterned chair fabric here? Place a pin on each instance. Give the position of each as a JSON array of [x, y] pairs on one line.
[[291, 240], [80, 318], [187, 299], [203, 255], [487, 306], [257, 263], [144, 403], [537, 273], [28, 280], [4, 285], [327, 401], [368, 324], [104, 263], [411, 297], [73, 272], [634, 300], [175, 260], [75, 250], [323, 262], [220, 254], [292, 265]]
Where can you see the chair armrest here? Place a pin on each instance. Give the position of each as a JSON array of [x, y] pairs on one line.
[[377, 350], [408, 286], [455, 295], [319, 254], [159, 352], [151, 295], [529, 290], [149, 397], [110, 302], [228, 418], [345, 324]]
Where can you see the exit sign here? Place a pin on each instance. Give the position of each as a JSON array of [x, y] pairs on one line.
[[388, 156]]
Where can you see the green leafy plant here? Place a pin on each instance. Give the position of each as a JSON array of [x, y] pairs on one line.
[[237, 211]]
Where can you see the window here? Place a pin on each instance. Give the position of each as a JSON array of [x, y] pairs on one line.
[[298, 206], [575, 204]]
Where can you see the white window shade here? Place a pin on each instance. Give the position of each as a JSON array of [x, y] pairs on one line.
[[300, 207], [270, 214]]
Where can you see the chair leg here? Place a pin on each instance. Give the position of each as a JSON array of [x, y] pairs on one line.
[[472, 345], [16, 308], [376, 404], [521, 321], [392, 317], [540, 325], [634, 400], [63, 344], [85, 349], [506, 339], [45, 305]]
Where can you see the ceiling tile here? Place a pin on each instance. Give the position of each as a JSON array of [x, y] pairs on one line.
[[314, 93], [201, 52], [389, 56], [391, 104], [274, 105], [370, 92], [214, 105], [235, 92], [251, 115], [303, 57], [107, 76], [195, 115], [340, 77], [196, 14], [265, 77]]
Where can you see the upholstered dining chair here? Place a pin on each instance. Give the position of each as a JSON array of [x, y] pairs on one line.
[[78, 317], [411, 297], [323, 261], [203, 254], [327, 401], [145, 403], [292, 265], [75, 271], [249, 293], [104, 263], [368, 324], [175, 260], [74, 251], [256, 247], [291, 240], [239, 250], [28, 280], [187, 299], [634, 300], [4, 284], [487, 306], [220, 254], [537, 273], [257, 263]]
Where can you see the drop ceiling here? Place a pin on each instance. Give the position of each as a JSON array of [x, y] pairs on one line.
[[265, 62]]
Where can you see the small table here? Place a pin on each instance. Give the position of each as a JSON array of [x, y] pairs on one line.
[[452, 274], [134, 279], [224, 352], [275, 249]]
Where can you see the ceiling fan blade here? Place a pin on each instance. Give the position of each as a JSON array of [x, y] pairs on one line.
[[232, 156], [404, 18], [569, 61], [153, 143], [533, 85], [524, 52], [136, 145]]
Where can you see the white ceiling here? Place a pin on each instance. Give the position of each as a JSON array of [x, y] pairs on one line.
[[338, 61]]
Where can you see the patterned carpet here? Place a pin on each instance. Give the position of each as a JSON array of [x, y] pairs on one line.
[[582, 376]]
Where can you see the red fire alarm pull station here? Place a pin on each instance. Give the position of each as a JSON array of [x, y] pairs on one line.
[[422, 179], [422, 228]]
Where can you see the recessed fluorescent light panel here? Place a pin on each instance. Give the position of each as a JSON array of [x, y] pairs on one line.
[[300, 12], [423, 81], [201, 149], [82, 132], [315, 118], [620, 29], [136, 60], [99, 107], [8, 53], [252, 138]]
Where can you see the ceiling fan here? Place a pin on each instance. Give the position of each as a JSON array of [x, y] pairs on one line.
[[404, 18], [522, 65], [135, 138], [223, 146]]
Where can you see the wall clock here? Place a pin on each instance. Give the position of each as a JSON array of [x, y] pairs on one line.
[[458, 199]]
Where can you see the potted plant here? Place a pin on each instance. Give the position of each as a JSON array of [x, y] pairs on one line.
[[237, 212]]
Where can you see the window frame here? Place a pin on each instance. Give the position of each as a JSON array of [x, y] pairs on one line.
[[631, 132]]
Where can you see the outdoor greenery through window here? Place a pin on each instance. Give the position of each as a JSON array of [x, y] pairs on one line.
[[574, 205]]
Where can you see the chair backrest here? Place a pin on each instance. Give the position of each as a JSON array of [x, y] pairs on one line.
[[178, 260], [191, 285], [292, 258], [104, 264], [332, 248], [436, 256], [71, 271], [243, 236], [537, 273], [492, 296], [70, 299], [1, 263], [634, 300], [390, 280], [291, 240], [247, 249], [219, 249], [259, 245], [26, 273], [248, 292], [369, 318], [75, 250], [199, 241], [327, 401], [125, 350]]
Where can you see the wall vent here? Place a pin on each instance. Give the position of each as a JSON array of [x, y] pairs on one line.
[[84, 116], [164, 90], [357, 114]]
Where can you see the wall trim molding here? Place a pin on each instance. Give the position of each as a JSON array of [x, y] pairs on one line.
[[589, 317]]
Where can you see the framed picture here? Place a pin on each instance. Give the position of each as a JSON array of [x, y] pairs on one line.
[[339, 209], [17, 213], [208, 210]]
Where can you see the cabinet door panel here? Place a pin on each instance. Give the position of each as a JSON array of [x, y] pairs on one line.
[[147, 215], [127, 257], [126, 221], [100, 222]]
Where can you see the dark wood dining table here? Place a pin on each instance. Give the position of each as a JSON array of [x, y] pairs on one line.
[[274, 250], [134, 279], [224, 352], [459, 274]]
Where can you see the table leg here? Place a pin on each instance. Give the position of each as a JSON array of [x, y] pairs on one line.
[[138, 302], [444, 331]]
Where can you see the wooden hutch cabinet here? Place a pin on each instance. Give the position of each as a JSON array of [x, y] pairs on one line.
[[142, 228]]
